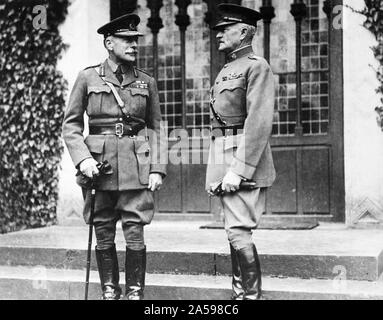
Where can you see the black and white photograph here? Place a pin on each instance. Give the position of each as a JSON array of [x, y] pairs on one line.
[[191, 150]]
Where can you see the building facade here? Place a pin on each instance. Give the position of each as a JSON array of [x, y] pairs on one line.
[[326, 144]]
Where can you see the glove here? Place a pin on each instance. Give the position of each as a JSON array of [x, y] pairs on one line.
[[231, 182], [88, 167], [155, 182]]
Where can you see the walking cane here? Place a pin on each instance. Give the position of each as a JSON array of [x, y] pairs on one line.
[[92, 201], [104, 169]]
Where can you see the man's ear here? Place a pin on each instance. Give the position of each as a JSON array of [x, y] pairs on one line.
[[244, 32], [108, 43]]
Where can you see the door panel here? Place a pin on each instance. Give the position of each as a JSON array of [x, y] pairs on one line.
[[183, 190], [315, 181], [197, 199], [170, 196], [283, 195]]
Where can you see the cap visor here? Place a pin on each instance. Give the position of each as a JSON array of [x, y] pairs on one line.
[[222, 24], [128, 34]]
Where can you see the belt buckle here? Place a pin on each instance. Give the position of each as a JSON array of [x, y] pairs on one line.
[[119, 129]]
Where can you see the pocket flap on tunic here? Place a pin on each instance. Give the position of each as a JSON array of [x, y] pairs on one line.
[[239, 83], [139, 91], [232, 141], [95, 143], [98, 89], [141, 146]]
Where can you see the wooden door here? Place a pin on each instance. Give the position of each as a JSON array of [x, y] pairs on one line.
[[307, 139]]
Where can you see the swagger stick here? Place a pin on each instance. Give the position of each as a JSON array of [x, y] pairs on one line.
[[92, 201], [216, 188], [104, 168]]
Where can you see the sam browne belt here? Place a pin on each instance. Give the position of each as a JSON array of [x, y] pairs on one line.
[[119, 129], [227, 130]]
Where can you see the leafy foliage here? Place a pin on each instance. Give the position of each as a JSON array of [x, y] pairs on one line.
[[374, 23], [32, 100]]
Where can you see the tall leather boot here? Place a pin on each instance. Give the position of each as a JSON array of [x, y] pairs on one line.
[[109, 273], [135, 268], [237, 293], [251, 272]]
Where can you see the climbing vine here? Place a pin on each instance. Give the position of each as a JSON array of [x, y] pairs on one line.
[[32, 102], [373, 12]]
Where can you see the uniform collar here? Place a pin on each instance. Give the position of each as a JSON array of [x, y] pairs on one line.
[[125, 68], [239, 53], [129, 74]]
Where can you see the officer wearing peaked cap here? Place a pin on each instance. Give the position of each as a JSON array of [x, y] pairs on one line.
[[122, 104], [242, 106]]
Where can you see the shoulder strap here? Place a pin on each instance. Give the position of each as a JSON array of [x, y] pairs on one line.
[[253, 57], [97, 65], [215, 114], [120, 103], [143, 71]]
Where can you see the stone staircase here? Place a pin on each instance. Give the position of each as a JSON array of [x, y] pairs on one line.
[[187, 263]]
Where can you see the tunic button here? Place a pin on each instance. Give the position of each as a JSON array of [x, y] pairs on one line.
[[217, 82], [225, 66]]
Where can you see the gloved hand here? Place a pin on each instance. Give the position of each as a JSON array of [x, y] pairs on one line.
[[155, 182], [88, 167], [231, 182]]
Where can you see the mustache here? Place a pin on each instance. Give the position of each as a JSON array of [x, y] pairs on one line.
[[131, 51]]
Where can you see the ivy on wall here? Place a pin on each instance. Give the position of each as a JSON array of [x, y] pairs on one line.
[[32, 102], [374, 23]]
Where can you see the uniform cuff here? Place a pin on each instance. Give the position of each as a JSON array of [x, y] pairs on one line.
[[77, 166], [157, 168], [242, 169]]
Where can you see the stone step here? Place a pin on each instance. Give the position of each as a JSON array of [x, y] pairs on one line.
[[40, 283], [184, 248], [363, 268]]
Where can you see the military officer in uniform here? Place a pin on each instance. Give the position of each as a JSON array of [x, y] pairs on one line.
[[242, 106], [122, 104]]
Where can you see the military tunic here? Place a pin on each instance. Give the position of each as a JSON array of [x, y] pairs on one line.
[[242, 97], [132, 158]]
